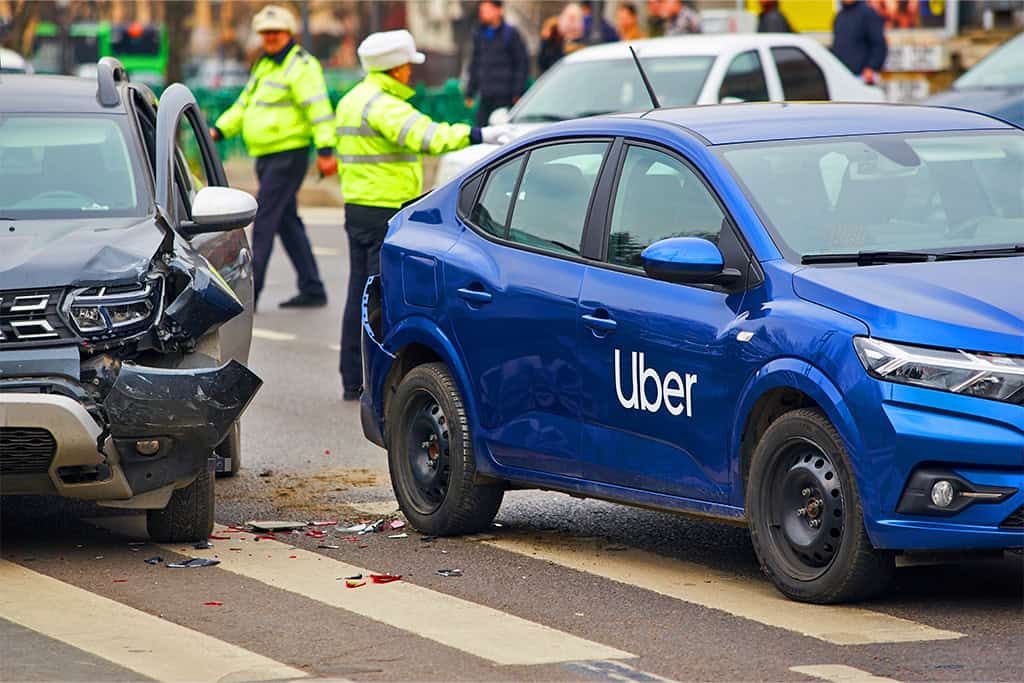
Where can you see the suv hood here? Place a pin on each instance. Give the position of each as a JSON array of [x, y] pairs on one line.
[[974, 304], [49, 253]]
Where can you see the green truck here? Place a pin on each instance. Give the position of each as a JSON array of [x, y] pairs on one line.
[[140, 47]]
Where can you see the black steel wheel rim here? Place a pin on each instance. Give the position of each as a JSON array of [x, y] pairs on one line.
[[427, 453], [804, 506]]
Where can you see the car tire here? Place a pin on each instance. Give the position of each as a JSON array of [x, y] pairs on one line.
[[189, 514], [806, 519], [230, 452], [431, 459]]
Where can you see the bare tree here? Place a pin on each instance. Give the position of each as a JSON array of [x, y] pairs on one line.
[[179, 36], [22, 27]]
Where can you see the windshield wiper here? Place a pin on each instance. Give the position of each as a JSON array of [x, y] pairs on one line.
[[1009, 250], [5, 218], [867, 258]]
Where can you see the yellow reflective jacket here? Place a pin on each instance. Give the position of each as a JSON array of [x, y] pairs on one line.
[[283, 106], [381, 138]]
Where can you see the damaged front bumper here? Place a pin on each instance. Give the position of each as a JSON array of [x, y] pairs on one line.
[[154, 431]]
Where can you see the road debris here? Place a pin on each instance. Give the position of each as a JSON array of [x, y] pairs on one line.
[[328, 546], [396, 524], [153, 560], [399, 536], [354, 577], [354, 529], [213, 603], [354, 583], [330, 522], [275, 525], [449, 572], [385, 578], [120, 581], [202, 545], [193, 562]]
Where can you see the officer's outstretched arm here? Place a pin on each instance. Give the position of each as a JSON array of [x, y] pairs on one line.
[[402, 124], [230, 122]]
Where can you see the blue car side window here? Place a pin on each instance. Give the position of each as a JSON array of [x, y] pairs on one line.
[[491, 212]]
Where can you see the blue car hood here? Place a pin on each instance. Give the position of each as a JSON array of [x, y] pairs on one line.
[[975, 304], [1006, 103]]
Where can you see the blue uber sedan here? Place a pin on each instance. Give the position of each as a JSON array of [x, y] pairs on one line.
[[802, 317]]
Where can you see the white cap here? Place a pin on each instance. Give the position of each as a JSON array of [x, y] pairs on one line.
[[388, 49], [274, 18]]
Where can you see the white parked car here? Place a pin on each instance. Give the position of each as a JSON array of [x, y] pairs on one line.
[[704, 69], [13, 63]]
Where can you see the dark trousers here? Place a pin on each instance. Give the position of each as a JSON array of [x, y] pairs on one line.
[[366, 227], [488, 103], [281, 175]]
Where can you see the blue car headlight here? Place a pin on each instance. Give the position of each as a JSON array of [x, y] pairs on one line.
[[985, 375]]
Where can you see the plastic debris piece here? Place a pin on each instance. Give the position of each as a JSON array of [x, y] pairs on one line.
[[293, 557], [194, 562], [354, 583], [203, 545], [385, 578], [398, 536], [396, 524], [274, 525], [213, 603], [327, 451], [153, 560], [449, 572], [328, 546], [354, 529], [99, 557], [350, 539], [499, 525], [120, 580], [329, 522], [220, 538], [265, 537], [362, 546], [314, 533], [428, 539]]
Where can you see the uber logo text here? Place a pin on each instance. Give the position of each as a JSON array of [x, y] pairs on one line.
[[672, 387]]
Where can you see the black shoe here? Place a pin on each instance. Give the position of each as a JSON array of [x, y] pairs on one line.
[[303, 300], [351, 394]]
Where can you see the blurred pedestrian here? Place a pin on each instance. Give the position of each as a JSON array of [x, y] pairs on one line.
[[551, 44], [282, 110], [858, 40], [604, 33], [680, 18], [655, 18], [629, 27], [771, 19], [380, 139], [570, 25], [499, 63]]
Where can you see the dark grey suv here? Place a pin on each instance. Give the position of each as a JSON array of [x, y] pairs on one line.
[[125, 299]]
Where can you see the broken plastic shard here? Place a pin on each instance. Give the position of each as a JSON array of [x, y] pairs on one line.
[[328, 546], [396, 524], [153, 560], [194, 562], [331, 522], [354, 577], [385, 578], [352, 583], [213, 603], [120, 581], [449, 572], [354, 529], [203, 545], [399, 536], [275, 525]]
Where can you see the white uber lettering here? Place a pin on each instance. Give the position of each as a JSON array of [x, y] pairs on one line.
[[675, 391]]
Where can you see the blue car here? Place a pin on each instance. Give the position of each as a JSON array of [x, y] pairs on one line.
[[807, 318]]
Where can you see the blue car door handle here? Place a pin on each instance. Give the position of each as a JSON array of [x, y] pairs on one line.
[[475, 296], [598, 323]]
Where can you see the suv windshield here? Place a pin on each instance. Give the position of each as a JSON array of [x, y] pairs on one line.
[[568, 91], [931, 192], [66, 167], [1003, 68]]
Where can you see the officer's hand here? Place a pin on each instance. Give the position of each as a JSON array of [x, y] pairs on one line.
[[327, 165], [495, 135], [469, 103], [214, 134]]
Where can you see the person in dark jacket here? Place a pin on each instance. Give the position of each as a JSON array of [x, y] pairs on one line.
[[771, 19], [499, 64], [858, 40], [605, 32]]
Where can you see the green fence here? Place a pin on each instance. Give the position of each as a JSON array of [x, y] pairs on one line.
[[444, 103]]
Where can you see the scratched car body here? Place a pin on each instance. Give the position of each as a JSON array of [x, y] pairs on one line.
[[802, 317], [125, 299]]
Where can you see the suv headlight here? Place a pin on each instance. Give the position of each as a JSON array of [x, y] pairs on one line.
[[111, 312], [985, 375]]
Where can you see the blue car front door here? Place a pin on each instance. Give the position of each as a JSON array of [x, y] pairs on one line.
[[513, 284]]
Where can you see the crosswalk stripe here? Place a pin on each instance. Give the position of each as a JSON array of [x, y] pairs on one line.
[[741, 597], [490, 634], [840, 673], [125, 636], [272, 335]]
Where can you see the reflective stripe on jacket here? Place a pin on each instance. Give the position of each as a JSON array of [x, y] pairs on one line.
[[283, 106], [381, 138]]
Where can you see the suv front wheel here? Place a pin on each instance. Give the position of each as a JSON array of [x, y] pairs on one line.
[[189, 514], [430, 457]]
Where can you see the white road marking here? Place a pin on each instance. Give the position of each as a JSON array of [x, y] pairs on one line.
[[613, 671], [272, 335], [127, 637], [325, 251], [754, 600], [476, 629], [840, 673]]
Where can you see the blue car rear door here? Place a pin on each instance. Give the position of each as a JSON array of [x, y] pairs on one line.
[[512, 283], [661, 368]]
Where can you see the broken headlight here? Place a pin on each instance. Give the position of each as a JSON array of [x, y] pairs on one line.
[[985, 375], [100, 313]]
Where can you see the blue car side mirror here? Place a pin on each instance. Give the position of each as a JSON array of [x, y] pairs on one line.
[[690, 260]]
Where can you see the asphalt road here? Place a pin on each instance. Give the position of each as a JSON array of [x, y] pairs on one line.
[[563, 589]]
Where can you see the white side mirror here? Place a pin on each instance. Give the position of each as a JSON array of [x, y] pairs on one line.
[[216, 209], [499, 117]]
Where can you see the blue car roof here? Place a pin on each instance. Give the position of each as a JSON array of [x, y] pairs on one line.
[[732, 123]]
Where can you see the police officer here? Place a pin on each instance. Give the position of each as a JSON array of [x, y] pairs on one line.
[[381, 138], [283, 108]]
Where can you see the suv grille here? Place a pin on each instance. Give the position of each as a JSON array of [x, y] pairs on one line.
[[26, 450], [1015, 520], [31, 317]]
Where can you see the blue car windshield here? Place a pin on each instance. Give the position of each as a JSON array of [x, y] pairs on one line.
[[901, 192], [573, 90], [67, 167]]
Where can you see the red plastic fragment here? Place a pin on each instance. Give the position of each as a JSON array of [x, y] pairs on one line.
[[314, 533], [354, 583], [213, 603], [327, 451], [328, 522], [266, 537], [120, 580], [384, 578], [293, 557]]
